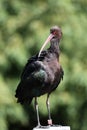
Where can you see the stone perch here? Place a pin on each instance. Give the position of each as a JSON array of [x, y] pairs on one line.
[[54, 127]]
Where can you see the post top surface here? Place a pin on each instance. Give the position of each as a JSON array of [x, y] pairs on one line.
[[52, 128]]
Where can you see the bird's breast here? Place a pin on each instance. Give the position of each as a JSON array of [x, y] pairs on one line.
[[52, 69]]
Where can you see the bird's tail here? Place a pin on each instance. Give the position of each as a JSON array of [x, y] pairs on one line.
[[24, 101], [21, 95]]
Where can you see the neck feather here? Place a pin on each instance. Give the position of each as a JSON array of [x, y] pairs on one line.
[[54, 47]]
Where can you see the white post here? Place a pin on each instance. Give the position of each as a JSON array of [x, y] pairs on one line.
[[53, 128]]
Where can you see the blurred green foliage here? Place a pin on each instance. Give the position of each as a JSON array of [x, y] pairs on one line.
[[24, 26]]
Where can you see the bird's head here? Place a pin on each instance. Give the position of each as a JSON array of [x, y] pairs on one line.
[[55, 34]]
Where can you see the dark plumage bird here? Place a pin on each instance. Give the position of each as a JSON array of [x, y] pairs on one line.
[[42, 73]]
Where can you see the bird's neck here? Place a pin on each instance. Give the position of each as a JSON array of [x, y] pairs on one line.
[[54, 48]]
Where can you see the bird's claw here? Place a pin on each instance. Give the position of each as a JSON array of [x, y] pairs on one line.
[[38, 126]]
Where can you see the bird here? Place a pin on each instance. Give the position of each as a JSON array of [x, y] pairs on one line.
[[42, 73]]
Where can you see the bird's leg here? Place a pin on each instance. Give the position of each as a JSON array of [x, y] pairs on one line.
[[48, 108], [37, 112]]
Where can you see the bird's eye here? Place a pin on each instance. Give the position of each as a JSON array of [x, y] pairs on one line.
[[55, 32]]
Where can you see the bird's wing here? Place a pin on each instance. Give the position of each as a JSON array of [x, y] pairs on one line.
[[31, 66], [32, 80], [31, 85]]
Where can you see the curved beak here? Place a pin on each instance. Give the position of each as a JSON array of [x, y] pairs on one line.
[[45, 43]]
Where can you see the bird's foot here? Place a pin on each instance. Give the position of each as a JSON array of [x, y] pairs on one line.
[[38, 126], [49, 121], [43, 127]]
